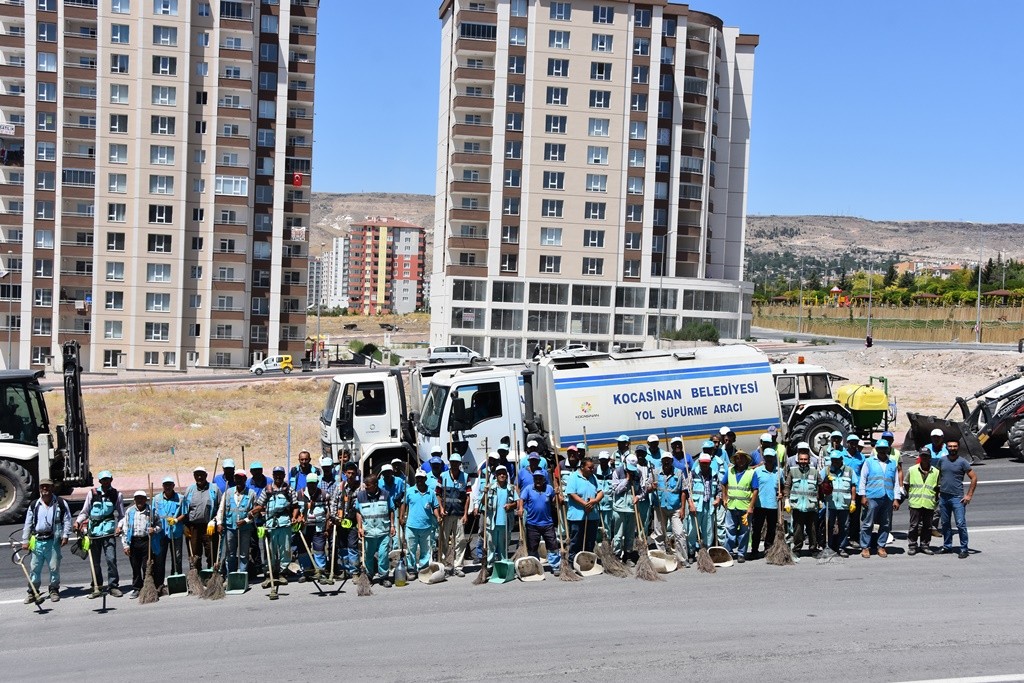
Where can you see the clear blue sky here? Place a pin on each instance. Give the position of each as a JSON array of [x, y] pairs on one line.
[[887, 110]]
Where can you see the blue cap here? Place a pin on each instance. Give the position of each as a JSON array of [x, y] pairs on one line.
[[533, 455], [836, 434], [435, 461], [631, 467], [278, 469], [769, 453], [836, 454], [581, 446], [708, 444], [105, 474], [622, 437], [256, 466], [228, 462], [882, 443], [853, 437], [887, 435], [641, 449]]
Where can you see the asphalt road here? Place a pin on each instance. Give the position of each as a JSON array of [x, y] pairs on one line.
[[874, 620], [764, 334]]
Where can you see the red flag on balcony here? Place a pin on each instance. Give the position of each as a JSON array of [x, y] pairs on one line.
[[297, 179]]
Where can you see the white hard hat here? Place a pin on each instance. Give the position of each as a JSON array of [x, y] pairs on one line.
[[653, 437], [386, 468], [937, 432], [532, 444], [723, 431], [140, 492], [603, 455], [766, 437], [803, 446], [228, 462], [494, 454]]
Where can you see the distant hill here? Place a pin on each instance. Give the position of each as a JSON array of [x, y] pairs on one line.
[[818, 236]]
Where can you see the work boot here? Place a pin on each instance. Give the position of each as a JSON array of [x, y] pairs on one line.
[[963, 555], [54, 594], [265, 584], [843, 554], [115, 591], [386, 583], [134, 595], [882, 553], [29, 599], [740, 558], [281, 581], [912, 550], [925, 550], [95, 594], [162, 592], [865, 553]]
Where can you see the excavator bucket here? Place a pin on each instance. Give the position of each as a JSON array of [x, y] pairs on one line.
[[921, 427]]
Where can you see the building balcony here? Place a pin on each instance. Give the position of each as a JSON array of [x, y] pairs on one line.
[[300, 95], [698, 45], [12, 40], [302, 67], [303, 39], [699, 125], [240, 140], [460, 214], [231, 112], [236, 82], [300, 122], [473, 130], [476, 270], [73, 219], [473, 187], [304, 8], [470, 45], [76, 249], [74, 131], [472, 158], [243, 54], [474, 73], [12, 8], [693, 98], [80, 9], [463, 242], [483, 102]]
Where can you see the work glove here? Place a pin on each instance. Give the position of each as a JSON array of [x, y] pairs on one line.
[[853, 507], [261, 531], [743, 519], [788, 508]]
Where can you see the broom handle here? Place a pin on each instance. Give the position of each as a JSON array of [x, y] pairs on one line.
[[334, 537]]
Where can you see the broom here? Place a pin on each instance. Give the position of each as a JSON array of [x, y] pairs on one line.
[[214, 589], [607, 557], [521, 549], [149, 594], [362, 581], [192, 580], [481, 576], [645, 570], [566, 572], [704, 562], [779, 554]]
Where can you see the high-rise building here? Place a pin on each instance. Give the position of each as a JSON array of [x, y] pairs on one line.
[[156, 180], [337, 277], [386, 261], [592, 174]]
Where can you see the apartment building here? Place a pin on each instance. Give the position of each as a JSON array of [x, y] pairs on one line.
[[385, 263], [155, 179], [338, 274], [592, 174]]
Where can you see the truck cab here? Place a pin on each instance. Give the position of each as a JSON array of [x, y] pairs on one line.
[[809, 409], [365, 412], [469, 410]]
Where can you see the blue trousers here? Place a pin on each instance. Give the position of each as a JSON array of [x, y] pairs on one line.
[[837, 537], [47, 553], [106, 549], [419, 543], [737, 534], [376, 555], [497, 548], [237, 548], [953, 506], [878, 511]]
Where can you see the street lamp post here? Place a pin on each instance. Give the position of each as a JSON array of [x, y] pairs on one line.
[[981, 252], [319, 298], [871, 285], [800, 319], [10, 312]]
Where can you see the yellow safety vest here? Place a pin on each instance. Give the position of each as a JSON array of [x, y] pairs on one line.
[[740, 491], [922, 489]]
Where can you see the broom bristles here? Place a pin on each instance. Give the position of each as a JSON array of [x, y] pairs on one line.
[[481, 576], [192, 580], [362, 582], [214, 589], [704, 562], [779, 554], [566, 572], [149, 594], [645, 570], [610, 561]]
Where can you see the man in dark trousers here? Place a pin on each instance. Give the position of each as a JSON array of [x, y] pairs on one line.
[[138, 530], [537, 503]]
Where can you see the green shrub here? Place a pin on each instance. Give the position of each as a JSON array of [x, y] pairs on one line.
[[694, 332]]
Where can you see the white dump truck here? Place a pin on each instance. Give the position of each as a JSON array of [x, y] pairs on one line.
[[559, 401]]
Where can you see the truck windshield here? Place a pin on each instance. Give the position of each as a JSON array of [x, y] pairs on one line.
[[22, 414], [433, 409], [332, 399]]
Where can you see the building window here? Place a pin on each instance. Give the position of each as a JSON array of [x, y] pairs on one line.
[[642, 47], [599, 128], [513, 149], [668, 55], [637, 130], [635, 213], [158, 303], [558, 68], [113, 329], [632, 240], [600, 99], [597, 182], [159, 244], [600, 71], [554, 180], [637, 158], [161, 155], [161, 184], [558, 96], [551, 237], [510, 206], [158, 272], [601, 43], [555, 124], [116, 212], [510, 234], [551, 208], [118, 123], [597, 155], [115, 271], [517, 64], [641, 75], [514, 121], [517, 36], [117, 154], [166, 7], [165, 35], [120, 6], [161, 213], [604, 14], [157, 331], [561, 11], [165, 66], [516, 92], [593, 238], [118, 64], [161, 125], [631, 268], [119, 34], [558, 40], [509, 263], [594, 211], [554, 151], [518, 8], [513, 178], [550, 264], [117, 182], [642, 18], [638, 102]]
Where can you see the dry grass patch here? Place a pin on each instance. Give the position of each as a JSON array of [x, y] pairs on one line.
[[132, 430]]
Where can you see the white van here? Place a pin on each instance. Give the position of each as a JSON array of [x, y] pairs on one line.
[[273, 363], [453, 354]]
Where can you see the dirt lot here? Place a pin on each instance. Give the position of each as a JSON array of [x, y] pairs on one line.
[[132, 430]]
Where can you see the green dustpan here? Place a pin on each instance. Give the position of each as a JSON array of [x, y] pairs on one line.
[[205, 575], [176, 583], [238, 583], [504, 571]]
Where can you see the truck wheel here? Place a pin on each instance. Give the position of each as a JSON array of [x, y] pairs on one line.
[[15, 492], [1016, 439], [815, 428]]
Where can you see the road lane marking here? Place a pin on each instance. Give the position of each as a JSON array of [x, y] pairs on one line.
[[983, 529], [1002, 481], [1002, 678]]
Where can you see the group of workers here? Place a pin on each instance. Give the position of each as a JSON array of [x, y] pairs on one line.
[[334, 520]]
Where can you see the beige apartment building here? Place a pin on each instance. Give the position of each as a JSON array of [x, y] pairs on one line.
[[591, 174], [156, 180]]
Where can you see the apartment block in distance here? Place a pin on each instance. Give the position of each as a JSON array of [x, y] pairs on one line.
[[592, 174], [155, 186], [385, 266]]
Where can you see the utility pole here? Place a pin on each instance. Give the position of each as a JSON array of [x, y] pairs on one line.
[[10, 309], [800, 319], [319, 298], [871, 283], [981, 253]]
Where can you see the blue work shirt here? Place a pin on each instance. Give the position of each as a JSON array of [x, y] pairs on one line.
[[421, 508], [497, 498], [684, 463], [396, 491], [756, 457], [767, 485], [257, 488], [670, 489], [525, 478], [855, 461], [537, 505], [585, 488]]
